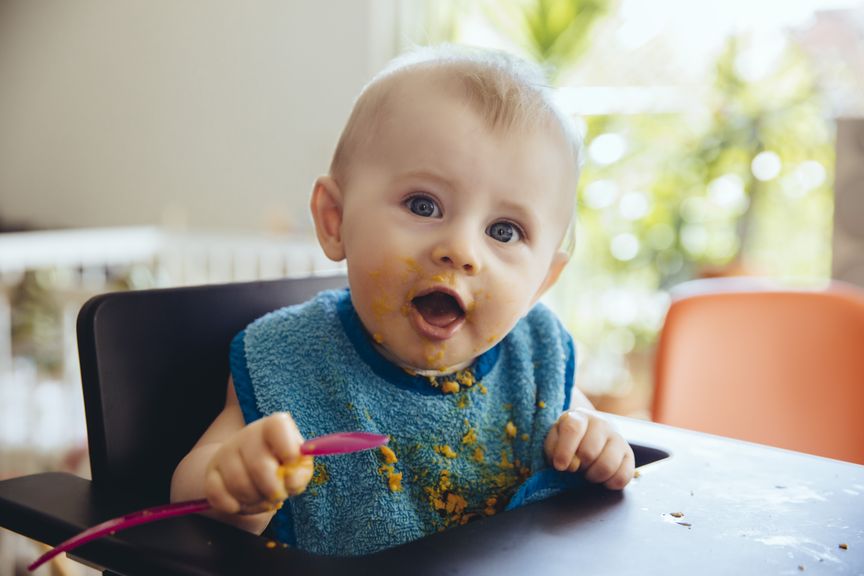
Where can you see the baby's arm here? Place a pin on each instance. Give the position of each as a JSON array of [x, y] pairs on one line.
[[237, 467], [582, 439]]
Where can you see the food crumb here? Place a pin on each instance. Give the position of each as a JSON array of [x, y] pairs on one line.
[[541, 404], [470, 436], [490, 506], [450, 387], [271, 544], [389, 455], [677, 514], [465, 378], [394, 481], [444, 481], [800, 567], [455, 503], [446, 451], [637, 474], [843, 546], [510, 429]]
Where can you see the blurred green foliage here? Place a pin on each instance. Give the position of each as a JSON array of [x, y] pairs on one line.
[[736, 182], [554, 32]]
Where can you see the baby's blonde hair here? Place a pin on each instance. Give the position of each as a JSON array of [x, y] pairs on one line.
[[507, 92]]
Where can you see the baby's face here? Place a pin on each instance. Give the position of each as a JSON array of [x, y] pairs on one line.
[[450, 229]]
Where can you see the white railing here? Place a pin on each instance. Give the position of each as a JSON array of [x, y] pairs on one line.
[[40, 414]]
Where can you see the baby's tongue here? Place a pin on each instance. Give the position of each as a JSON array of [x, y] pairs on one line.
[[437, 308]]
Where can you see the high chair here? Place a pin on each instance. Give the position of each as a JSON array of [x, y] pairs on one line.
[[154, 367], [743, 358]]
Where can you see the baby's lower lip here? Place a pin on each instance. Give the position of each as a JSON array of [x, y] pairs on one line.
[[431, 331]]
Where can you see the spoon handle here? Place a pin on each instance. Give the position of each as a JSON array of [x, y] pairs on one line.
[[338, 443]]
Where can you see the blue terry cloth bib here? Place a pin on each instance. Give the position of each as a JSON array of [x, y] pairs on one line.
[[458, 451]]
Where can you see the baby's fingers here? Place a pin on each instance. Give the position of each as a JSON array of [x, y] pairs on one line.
[[564, 439], [281, 436], [237, 480], [217, 495], [613, 466], [263, 471], [624, 473]]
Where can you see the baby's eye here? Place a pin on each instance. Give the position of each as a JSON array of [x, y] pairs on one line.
[[504, 232], [423, 206]]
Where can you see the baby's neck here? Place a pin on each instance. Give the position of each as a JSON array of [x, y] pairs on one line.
[[425, 372]]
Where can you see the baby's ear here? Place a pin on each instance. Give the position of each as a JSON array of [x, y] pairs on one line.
[[326, 206], [559, 261]]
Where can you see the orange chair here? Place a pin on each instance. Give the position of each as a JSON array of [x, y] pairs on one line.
[[740, 358]]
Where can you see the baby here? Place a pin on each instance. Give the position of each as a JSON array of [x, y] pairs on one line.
[[451, 199]]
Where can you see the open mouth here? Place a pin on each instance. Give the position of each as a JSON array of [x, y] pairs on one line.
[[438, 314]]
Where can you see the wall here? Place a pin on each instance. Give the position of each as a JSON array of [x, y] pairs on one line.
[[192, 113], [848, 247]]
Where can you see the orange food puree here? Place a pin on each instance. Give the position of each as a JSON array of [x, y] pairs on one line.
[[394, 481], [388, 469], [389, 455], [450, 387], [445, 451], [470, 436]]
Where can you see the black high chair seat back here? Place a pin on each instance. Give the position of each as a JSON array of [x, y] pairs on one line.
[[154, 367]]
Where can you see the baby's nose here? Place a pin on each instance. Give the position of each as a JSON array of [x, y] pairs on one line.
[[457, 256]]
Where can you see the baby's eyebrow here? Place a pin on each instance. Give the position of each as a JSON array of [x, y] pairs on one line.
[[424, 174], [522, 212]]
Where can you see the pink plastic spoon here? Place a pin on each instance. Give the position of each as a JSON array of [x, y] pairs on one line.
[[329, 444]]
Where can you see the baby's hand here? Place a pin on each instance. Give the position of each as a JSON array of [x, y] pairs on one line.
[[258, 467], [582, 439]]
